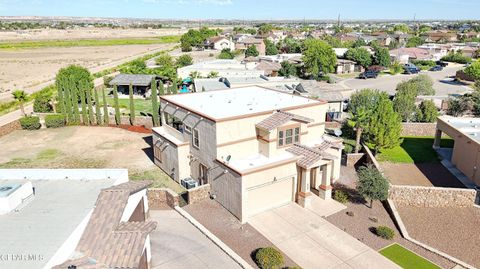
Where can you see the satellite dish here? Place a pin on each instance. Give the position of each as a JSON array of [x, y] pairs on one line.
[[228, 158], [337, 132]]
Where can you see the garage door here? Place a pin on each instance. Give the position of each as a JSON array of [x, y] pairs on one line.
[[268, 196]]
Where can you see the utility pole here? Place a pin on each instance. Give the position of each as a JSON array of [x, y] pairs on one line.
[[338, 21]]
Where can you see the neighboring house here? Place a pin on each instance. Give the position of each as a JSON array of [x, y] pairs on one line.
[[441, 37], [44, 212], [276, 36], [269, 68], [223, 68], [258, 148], [243, 44], [219, 43], [211, 84], [406, 55], [465, 154], [346, 66], [141, 83]]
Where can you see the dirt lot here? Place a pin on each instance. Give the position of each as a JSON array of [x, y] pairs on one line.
[[420, 174], [84, 33], [451, 230], [29, 68]]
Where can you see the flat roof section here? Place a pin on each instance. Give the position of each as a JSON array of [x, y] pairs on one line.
[[41, 226], [236, 102], [468, 126]]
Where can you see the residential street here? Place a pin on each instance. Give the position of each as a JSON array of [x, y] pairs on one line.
[[442, 83]]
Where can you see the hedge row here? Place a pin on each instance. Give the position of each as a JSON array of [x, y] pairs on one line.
[[30, 123], [55, 121]]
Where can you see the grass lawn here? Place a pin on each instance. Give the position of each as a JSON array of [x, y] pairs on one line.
[[160, 179], [414, 149], [141, 105], [89, 42], [406, 259]]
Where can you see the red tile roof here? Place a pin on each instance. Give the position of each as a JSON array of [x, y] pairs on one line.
[[309, 155], [279, 118], [108, 241]]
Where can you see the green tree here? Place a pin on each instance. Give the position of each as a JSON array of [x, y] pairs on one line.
[[414, 42], [165, 60], [318, 57], [106, 117], [359, 43], [359, 55], [396, 68], [456, 107], [161, 88], [118, 120], [270, 48], [184, 60], [404, 102], [212, 74], [473, 70], [428, 111], [287, 70], [132, 104], [372, 184], [42, 103], [362, 104], [75, 97], [174, 87], [226, 54], [98, 113], [68, 105], [155, 108], [21, 97], [251, 51], [384, 127], [381, 56], [265, 29], [401, 28], [423, 84], [91, 117]]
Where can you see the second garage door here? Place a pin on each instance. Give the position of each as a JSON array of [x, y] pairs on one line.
[[268, 196]]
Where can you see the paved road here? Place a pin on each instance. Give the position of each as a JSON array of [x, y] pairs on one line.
[[442, 83], [177, 244], [313, 242]]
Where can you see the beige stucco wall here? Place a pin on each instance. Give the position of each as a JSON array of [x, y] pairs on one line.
[[226, 185]]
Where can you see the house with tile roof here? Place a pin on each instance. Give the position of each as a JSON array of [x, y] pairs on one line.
[[219, 43], [258, 148]]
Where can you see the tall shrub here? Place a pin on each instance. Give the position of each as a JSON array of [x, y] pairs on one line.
[[60, 107], [155, 107], [117, 106], [91, 118], [84, 108], [74, 93], [30, 123], [372, 184], [161, 89], [132, 105], [106, 118], [98, 114]]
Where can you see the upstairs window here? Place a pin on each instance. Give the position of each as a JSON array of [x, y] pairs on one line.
[[195, 139], [288, 136]]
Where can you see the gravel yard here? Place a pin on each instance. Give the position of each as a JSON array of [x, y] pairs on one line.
[[454, 231], [420, 174], [243, 239]]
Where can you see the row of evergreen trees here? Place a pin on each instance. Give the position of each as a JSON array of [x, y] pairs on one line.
[[75, 85]]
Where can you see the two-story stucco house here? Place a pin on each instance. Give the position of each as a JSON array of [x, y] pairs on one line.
[[258, 148]]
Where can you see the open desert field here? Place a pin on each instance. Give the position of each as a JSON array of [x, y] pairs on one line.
[[85, 33]]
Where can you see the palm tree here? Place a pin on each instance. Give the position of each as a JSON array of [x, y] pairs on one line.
[[359, 122], [21, 97]]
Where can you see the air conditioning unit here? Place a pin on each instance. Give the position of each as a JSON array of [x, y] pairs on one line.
[[189, 183]]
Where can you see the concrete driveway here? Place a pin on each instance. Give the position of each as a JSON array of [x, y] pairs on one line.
[[313, 242], [177, 244]]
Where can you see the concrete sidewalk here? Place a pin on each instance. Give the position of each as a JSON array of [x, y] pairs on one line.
[[177, 244], [313, 242]]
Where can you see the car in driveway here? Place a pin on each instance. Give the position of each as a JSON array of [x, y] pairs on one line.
[[441, 63], [436, 68], [411, 70], [368, 74]]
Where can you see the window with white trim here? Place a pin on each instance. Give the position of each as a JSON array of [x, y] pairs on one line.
[[195, 138], [288, 136], [188, 129]]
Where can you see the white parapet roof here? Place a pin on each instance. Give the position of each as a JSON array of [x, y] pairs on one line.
[[238, 101], [468, 126]]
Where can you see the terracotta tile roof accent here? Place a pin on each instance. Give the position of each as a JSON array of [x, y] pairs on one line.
[[309, 155], [278, 118], [108, 241]]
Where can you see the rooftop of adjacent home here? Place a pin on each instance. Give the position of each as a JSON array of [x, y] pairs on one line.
[[238, 101], [470, 127]]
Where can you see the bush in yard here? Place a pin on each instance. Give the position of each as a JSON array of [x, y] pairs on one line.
[[55, 121], [269, 258], [30, 123], [372, 184], [42, 104], [385, 232], [340, 196]]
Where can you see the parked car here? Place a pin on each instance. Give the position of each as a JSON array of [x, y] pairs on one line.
[[468, 64], [411, 70], [441, 63], [368, 74], [436, 68]]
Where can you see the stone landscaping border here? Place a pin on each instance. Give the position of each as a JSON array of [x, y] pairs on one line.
[[239, 260]]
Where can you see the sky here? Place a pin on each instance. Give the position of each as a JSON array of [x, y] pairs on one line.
[[247, 9]]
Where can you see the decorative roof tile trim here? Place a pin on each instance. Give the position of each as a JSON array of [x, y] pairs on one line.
[[309, 155], [279, 118]]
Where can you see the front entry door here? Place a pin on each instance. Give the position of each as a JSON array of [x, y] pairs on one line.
[[313, 178], [203, 170]]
